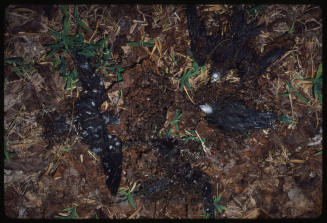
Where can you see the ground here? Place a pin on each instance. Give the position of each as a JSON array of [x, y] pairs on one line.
[[269, 173]]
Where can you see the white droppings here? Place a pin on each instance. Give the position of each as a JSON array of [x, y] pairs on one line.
[[110, 147], [88, 112], [215, 77], [96, 150], [117, 143], [85, 65], [106, 119], [93, 103], [109, 136], [206, 109], [94, 90], [101, 83]]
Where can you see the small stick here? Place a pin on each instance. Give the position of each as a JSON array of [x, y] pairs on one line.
[[205, 149], [188, 95]]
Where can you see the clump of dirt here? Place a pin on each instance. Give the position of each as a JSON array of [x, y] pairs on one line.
[[146, 104]]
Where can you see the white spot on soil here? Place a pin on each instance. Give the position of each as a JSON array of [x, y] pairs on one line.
[[215, 77], [85, 65], [206, 109]]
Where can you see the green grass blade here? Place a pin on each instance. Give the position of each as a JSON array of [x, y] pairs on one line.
[[302, 98], [64, 10], [133, 44], [119, 76], [56, 46], [108, 55], [7, 156], [130, 200], [291, 30], [55, 34], [289, 85], [87, 53], [123, 192], [169, 132], [285, 119], [13, 60], [66, 26], [76, 14], [65, 41], [68, 149], [84, 26], [219, 197], [18, 71], [319, 72]]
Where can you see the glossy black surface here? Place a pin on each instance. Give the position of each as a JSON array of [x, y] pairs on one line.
[[235, 116], [91, 123]]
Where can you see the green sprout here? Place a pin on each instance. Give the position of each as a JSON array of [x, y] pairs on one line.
[[66, 41], [128, 195], [291, 30], [285, 119], [72, 214], [194, 70], [194, 137], [317, 83], [220, 208], [173, 122], [105, 54], [71, 78], [8, 155], [176, 120], [18, 66], [68, 149], [292, 90], [205, 215], [171, 55], [142, 43], [70, 43]]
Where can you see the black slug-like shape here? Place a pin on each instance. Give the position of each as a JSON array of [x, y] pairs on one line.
[[91, 123], [235, 116], [232, 49], [179, 173]]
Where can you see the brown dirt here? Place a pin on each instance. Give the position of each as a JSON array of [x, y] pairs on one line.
[[261, 174]]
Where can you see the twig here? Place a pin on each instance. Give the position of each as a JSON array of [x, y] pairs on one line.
[[188, 95], [12, 123], [93, 34], [205, 149], [291, 102], [135, 213]]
